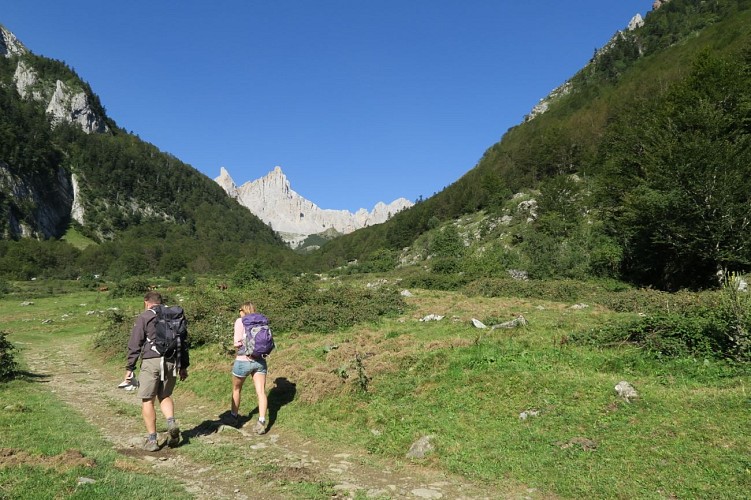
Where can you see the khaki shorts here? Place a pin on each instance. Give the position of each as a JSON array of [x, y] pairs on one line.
[[150, 381]]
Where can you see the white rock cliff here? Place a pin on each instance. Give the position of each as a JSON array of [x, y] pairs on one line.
[[9, 44], [64, 104], [272, 200]]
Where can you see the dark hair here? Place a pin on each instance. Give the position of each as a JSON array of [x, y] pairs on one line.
[[153, 297]]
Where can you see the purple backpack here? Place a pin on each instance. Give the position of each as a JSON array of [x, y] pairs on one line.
[[258, 342]]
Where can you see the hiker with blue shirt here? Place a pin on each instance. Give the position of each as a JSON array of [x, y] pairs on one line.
[[159, 371], [252, 338]]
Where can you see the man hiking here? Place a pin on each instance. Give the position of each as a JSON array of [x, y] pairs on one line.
[[160, 365]]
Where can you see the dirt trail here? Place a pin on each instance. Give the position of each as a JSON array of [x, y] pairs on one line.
[[92, 391]]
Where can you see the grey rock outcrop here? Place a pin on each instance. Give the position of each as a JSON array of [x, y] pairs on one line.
[[273, 201], [421, 447], [51, 201], [9, 44], [26, 79], [626, 391], [478, 324], [74, 107], [514, 323], [76, 210]]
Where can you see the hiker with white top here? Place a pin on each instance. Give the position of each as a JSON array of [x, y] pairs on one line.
[[253, 340]]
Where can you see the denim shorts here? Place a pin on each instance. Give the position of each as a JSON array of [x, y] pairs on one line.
[[244, 368]]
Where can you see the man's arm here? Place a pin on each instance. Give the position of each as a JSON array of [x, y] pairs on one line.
[[135, 343]]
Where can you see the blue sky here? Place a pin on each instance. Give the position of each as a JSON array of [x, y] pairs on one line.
[[357, 101]]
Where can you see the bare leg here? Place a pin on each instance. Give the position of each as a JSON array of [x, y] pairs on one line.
[[237, 387], [149, 415], [168, 407], [259, 381]]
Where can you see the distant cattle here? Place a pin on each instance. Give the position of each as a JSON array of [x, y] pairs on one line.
[[222, 286], [103, 288]]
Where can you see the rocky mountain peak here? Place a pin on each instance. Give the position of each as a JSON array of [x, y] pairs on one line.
[[9, 44], [636, 22], [272, 199], [226, 182]]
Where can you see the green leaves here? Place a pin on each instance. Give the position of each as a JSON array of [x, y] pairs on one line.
[[687, 152], [8, 364]]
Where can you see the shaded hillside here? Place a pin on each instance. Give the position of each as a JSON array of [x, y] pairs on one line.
[[566, 156]]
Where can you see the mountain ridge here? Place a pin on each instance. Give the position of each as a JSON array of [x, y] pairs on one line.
[[294, 217]]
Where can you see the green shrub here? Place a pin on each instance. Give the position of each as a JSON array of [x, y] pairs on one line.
[[89, 282], [665, 335], [435, 281], [735, 312], [128, 287], [248, 272], [710, 324], [8, 365], [113, 340], [292, 306], [557, 290]]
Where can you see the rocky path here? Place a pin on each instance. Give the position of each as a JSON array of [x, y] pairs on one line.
[[90, 390]]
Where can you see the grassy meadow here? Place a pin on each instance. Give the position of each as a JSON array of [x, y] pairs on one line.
[[47, 449], [380, 385]]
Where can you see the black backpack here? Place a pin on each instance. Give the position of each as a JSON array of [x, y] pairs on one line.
[[171, 331]]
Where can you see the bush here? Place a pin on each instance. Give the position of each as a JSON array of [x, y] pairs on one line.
[[665, 335], [711, 324], [135, 286], [113, 340], [735, 312], [292, 306], [434, 281], [556, 290], [248, 272], [8, 365]]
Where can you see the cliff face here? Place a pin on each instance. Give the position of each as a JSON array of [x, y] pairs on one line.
[[9, 44], [294, 217], [63, 103], [38, 208]]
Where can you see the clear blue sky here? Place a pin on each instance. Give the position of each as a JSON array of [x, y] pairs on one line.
[[358, 101]]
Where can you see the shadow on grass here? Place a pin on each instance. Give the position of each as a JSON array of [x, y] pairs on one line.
[[281, 394], [31, 376]]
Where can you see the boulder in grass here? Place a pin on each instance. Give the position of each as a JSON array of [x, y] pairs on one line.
[[421, 447], [626, 391]]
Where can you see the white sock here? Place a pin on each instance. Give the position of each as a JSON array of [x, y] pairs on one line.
[[261, 420]]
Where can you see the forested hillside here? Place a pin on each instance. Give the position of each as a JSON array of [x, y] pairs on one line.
[[639, 172], [138, 209]]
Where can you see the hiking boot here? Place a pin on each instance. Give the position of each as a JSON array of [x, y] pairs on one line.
[[259, 428], [173, 431], [150, 445]]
